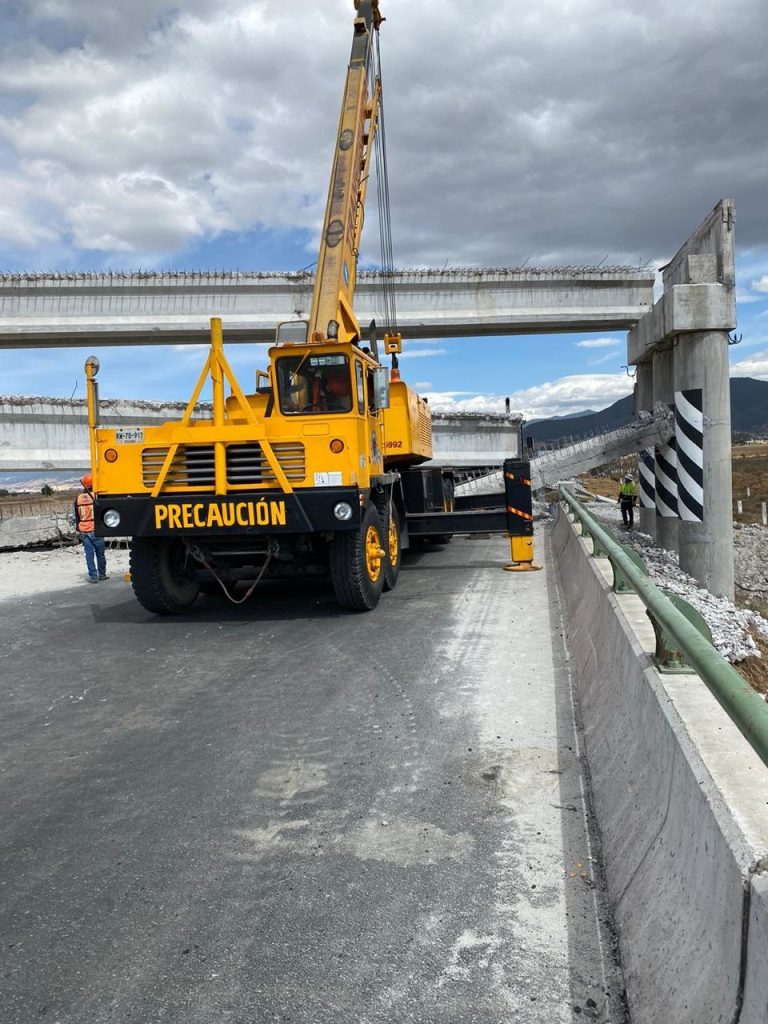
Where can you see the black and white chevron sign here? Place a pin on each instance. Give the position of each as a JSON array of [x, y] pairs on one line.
[[666, 480], [647, 479], [689, 434]]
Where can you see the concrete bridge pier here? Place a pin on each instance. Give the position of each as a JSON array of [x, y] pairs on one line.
[[644, 403], [703, 432], [685, 336], [665, 464]]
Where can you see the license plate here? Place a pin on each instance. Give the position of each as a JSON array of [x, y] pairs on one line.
[[129, 435]]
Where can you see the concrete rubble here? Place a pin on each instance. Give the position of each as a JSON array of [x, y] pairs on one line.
[[730, 626], [29, 531]]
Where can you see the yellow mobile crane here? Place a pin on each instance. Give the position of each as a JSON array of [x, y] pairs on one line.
[[295, 475], [321, 468]]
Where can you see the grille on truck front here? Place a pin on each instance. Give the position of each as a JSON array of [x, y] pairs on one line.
[[247, 464], [193, 465]]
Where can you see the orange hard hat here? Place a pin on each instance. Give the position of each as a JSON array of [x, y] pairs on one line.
[[337, 383], [87, 480]]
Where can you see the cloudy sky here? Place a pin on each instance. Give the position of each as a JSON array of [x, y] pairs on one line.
[[199, 135]]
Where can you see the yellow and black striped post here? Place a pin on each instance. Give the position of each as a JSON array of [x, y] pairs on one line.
[[519, 502]]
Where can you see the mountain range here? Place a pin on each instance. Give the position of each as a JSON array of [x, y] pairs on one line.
[[749, 415]]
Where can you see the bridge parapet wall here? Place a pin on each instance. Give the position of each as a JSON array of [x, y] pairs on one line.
[[679, 797]]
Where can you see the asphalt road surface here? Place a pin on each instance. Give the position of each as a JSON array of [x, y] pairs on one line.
[[285, 812]]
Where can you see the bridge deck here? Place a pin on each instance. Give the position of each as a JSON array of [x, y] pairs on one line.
[[284, 812]]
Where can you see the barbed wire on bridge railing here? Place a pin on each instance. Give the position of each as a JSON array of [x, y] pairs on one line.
[[85, 277]]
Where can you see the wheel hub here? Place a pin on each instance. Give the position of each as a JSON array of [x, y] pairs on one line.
[[394, 544], [373, 553]]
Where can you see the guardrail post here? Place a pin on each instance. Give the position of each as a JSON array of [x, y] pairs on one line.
[[669, 655], [621, 582]]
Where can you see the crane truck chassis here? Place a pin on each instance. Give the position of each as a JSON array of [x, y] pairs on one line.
[[324, 467]]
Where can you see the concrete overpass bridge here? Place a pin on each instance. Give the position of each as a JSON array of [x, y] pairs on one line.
[[679, 345]]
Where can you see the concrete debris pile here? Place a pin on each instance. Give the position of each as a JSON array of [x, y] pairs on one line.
[[731, 627], [30, 531]]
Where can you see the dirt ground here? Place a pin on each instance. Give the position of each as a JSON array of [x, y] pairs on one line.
[[23, 573], [755, 670]]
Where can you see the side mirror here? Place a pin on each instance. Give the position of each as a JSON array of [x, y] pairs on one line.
[[381, 387]]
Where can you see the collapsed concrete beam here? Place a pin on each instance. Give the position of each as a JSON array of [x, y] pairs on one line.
[[574, 459], [571, 460]]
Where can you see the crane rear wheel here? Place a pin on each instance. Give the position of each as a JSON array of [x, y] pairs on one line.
[[394, 550]]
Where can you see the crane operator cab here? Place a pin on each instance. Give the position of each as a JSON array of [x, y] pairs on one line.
[[312, 384]]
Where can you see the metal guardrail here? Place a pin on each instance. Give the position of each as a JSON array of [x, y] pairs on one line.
[[680, 643]]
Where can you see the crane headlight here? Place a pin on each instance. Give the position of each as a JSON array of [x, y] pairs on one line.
[[333, 329], [111, 518], [343, 511]]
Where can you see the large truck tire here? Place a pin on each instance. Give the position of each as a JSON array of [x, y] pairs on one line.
[[358, 559], [394, 550], [158, 576]]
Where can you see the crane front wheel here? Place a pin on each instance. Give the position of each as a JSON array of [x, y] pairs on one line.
[[357, 560], [159, 575]]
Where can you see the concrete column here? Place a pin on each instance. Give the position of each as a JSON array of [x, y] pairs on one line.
[[706, 547], [664, 391], [644, 403]]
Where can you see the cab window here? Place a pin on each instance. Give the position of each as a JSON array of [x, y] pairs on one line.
[[312, 384], [360, 387]]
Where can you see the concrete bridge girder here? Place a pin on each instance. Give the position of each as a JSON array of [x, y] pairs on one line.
[[52, 434], [150, 309]]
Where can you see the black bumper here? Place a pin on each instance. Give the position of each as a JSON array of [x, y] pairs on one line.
[[254, 513]]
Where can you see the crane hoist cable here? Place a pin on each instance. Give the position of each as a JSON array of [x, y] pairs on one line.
[[383, 204]]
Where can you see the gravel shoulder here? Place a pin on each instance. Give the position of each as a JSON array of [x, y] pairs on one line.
[[740, 634], [24, 573]]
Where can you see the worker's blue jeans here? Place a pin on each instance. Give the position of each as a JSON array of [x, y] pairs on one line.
[[94, 555]]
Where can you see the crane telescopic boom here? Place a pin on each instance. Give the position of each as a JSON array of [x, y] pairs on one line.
[[343, 222]]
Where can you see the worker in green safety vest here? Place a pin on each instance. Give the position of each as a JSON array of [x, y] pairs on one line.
[[627, 499]]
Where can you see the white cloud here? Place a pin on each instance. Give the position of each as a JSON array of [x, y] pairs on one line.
[[422, 385], [743, 296], [554, 398], [609, 357], [755, 366], [142, 128], [598, 343], [761, 285], [422, 353]]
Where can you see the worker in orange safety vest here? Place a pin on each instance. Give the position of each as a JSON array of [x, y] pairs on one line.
[[95, 558]]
